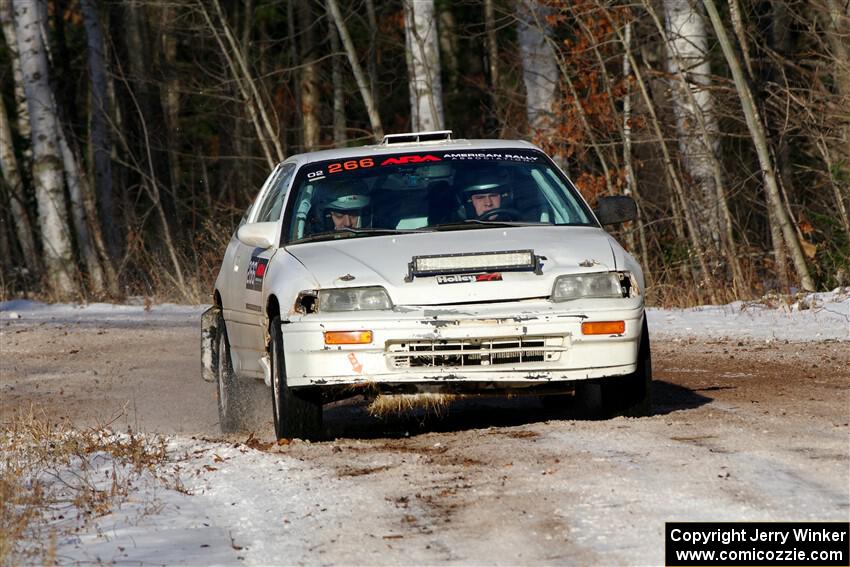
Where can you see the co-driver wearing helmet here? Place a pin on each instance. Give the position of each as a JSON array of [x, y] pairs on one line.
[[345, 206]]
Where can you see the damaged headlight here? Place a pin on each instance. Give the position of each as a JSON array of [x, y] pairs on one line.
[[605, 284], [354, 299]]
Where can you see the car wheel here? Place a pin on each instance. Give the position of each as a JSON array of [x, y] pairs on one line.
[[297, 412], [228, 386], [629, 395]]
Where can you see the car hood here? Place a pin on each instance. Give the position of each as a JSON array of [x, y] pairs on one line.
[[383, 261]]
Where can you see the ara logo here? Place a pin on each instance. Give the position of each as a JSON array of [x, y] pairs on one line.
[[256, 273], [401, 160], [469, 278]]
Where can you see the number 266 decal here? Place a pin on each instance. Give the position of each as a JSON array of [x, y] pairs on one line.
[[350, 165]]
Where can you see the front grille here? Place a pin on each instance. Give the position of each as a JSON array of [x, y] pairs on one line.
[[474, 352]]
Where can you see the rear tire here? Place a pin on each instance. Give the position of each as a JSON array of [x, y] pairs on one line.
[[629, 395], [297, 412], [228, 390]]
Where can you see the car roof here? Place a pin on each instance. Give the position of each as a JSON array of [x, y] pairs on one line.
[[406, 147]]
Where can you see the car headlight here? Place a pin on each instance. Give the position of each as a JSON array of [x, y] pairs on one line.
[[605, 284], [354, 299]]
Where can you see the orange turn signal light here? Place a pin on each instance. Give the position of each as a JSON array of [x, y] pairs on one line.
[[348, 337], [603, 328]]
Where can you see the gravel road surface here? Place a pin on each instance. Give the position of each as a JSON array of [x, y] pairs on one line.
[[742, 430]]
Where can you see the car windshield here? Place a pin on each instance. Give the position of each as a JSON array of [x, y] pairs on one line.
[[430, 191]]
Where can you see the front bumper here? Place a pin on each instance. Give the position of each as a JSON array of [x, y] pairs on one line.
[[514, 344]]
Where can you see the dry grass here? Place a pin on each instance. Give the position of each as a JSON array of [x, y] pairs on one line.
[[54, 479], [398, 404]]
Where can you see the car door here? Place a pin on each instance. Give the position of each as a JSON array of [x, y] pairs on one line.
[[249, 266]]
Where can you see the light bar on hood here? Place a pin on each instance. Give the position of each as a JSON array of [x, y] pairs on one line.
[[507, 261]]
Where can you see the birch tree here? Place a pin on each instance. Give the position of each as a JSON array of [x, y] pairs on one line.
[[688, 65], [21, 111], [47, 162], [686, 42], [539, 64], [423, 65]]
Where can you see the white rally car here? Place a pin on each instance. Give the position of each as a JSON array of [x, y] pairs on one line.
[[425, 264]]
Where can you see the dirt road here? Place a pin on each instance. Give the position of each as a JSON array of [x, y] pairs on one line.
[[740, 431]]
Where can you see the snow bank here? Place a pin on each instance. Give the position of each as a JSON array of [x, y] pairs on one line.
[[102, 313], [813, 317]]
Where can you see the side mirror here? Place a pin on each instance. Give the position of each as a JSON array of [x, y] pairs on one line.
[[258, 234], [615, 209]]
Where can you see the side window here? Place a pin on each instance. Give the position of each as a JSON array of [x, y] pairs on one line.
[[273, 203]]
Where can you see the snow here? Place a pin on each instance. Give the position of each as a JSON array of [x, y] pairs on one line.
[[813, 317], [241, 506], [102, 313]]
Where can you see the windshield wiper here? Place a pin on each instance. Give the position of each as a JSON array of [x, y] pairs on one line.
[[483, 224], [353, 232], [379, 230]]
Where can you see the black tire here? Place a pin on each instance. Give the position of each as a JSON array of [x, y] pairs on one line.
[[629, 395], [228, 390], [555, 402], [297, 412]]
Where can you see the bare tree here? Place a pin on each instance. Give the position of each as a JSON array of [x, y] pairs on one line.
[[757, 132], [359, 77], [17, 201], [686, 42], [309, 83], [340, 135], [21, 111], [101, 144], [423, 65], [47, 162], [539, 64]]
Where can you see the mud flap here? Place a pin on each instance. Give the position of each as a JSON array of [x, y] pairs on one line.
[[209, 343]]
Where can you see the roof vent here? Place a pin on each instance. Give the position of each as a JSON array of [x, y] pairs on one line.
[[417, 137]]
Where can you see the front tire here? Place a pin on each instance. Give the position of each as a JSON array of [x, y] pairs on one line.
[[297, 413], [629, 395]]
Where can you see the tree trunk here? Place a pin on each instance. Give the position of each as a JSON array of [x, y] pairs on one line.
[[696, 124], [309, 78], [266, 134], [423, 66], [493, 59], [85, 241], [363, 87], [17, 202], [169, 95], [340, 134], [697, 130], [539, 66], [835, 18], [757, 131], [672, 176], [47, 164], [631, 179], [21, 111], [448, 46], [101, 144], [372, 57]]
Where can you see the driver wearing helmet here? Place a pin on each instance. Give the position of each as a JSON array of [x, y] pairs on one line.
[[346, 206], [486, 195]]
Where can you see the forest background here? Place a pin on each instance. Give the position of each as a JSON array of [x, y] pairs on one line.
[[134, 133]]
